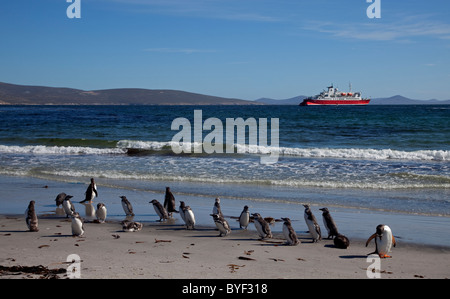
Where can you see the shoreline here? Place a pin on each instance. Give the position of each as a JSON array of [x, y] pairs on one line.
[[167, 250]]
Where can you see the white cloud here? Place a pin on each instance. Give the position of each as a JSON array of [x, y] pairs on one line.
[[400, 30]]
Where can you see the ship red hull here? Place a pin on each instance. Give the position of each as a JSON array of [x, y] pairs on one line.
[[334, 102]]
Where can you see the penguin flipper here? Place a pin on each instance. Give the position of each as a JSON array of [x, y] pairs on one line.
[[370, 238]]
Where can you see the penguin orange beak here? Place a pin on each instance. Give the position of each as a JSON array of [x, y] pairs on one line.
[[393, 240], [370, 239]]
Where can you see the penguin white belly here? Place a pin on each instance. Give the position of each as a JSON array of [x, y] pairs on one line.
[[259, 229], [158, 212], [101, 214], [244, 219], [312, 229], [190, 219], [67, 207], [384, 244], [77, 227], [182, 214], [286, 234]]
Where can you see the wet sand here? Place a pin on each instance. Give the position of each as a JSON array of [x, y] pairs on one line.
[[167, 250]]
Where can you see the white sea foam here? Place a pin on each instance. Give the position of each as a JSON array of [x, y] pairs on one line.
[[345, 153], [58, 150], [338, 153]]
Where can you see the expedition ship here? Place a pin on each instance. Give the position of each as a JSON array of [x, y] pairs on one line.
[[334, 97]]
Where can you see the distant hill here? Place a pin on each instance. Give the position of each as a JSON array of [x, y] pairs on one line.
[[291, 101], [401, 100], [394, 100], [11, 94]]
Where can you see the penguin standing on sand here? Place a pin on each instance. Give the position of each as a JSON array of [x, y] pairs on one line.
[[222, 225], [77, 225], [384, 239], [329, 223], [216, 208], [289, 233], [244, 218], [160, 210], [262, 226], [101, 212], [189, 217], [91, 192], [127, 207], [68, 206], [60, 198], [313, 226], [31, 218], [169, 202]]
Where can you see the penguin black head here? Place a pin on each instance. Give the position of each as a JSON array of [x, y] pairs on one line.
[[123, 197], [256, 215], [286, 220], [100, 205], [153, 201], [380, 229], [245, 208], [306, 206], [325, 211], [68, 197]]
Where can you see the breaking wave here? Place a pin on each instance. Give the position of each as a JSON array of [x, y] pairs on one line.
[[132, 147]]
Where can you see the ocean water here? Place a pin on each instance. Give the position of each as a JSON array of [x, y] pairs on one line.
[[375, 160]]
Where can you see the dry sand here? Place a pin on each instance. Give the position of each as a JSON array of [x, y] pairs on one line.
[[168, 250]]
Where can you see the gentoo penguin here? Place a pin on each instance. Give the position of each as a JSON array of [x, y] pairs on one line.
[[262, 226], [68, 206], [216, 208], [384, 239], [91, 192], [77, 225], [31, 218], [60, 198], [169, 202], [289, 233], [189, 216], [131, 226], [329, 223], [181, 210], [244, 219], [127, 207], [160, 210], [101, 212], [222, 225], [341, 241], [313, 226]]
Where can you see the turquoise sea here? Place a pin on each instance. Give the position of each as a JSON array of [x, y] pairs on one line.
[[368, 165]]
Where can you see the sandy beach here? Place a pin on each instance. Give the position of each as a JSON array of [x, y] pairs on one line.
[[169, 251]]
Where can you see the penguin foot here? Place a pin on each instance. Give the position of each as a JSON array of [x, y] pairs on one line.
[[384, 256]]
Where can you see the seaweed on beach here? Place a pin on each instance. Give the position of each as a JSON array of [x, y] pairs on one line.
[[44, 272]]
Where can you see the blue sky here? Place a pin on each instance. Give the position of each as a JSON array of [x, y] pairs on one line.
[[244, 49]]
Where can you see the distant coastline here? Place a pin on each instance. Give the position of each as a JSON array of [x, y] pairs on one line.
[[13, 94]]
